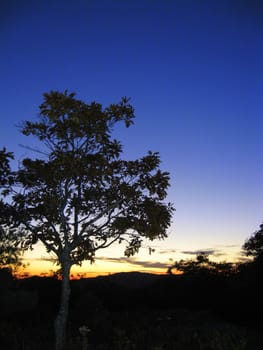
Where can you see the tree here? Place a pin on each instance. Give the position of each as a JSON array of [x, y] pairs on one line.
[[253, 246], [203, 265], [79, 196], [10, 252], [201, 262]]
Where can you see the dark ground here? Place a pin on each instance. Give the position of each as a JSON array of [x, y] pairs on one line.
[[137, 311]]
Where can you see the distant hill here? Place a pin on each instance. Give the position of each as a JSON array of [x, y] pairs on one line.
[[132, 280]]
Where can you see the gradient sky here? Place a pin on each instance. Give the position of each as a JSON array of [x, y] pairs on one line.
[[194, 72]]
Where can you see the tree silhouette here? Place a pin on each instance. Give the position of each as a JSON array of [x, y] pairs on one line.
[[201, 264], [10, 252], [10, 239], [79, 196], [253, 246]]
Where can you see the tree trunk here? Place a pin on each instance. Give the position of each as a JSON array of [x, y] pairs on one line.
[[62, 317]]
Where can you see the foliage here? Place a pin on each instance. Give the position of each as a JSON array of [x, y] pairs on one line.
[[253, 246], [10, 253], [201, 264], [10, 236], [6, 178]]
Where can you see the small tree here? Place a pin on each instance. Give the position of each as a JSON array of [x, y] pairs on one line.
[[80, 196], [10, 239], [202, 264], [253, 246], [10, 252]]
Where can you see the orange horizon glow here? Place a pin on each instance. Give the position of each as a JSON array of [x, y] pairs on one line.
[[26, 273], [36, 266], [39, 263]]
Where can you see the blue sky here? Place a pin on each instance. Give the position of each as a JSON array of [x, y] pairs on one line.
[[193, 70]]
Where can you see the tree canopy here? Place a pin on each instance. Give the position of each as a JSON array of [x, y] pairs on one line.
[[201, 265], [82, 197], [253, 246]]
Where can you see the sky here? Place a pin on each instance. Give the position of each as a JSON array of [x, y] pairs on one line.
[[193, 70]]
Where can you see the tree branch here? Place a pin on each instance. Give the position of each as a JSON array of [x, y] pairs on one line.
[[99, 216]]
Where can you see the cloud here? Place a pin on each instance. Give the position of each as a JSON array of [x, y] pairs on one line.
[[44, 258], [135, 262], [216, 252], [151, 264], [243, 259], [114, 260], [167, 251], [208, 251], [228, 246]]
